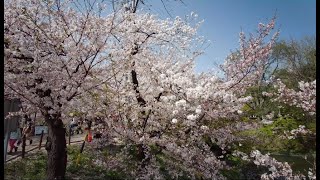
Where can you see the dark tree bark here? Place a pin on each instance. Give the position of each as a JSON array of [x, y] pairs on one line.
[[135, 82], [143, 158], [56, 148], [141, 150]]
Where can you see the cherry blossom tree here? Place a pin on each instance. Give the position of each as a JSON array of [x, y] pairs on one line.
[[52, 49], [55, 51], [161, 102], [170, 113], [66, 56]]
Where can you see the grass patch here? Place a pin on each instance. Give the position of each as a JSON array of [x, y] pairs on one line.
[[33, 167]]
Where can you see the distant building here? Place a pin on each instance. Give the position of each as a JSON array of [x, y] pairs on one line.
[[11, 124]]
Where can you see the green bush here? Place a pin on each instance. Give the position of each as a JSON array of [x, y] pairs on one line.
[[270, 138]]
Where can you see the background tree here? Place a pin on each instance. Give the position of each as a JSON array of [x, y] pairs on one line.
[[283, 102], [297, 59]]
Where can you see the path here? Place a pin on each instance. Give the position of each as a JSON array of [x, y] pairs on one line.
[[34, 147]]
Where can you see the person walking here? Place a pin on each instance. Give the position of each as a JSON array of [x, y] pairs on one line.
[[15, 137], [28, 132], [73, 125]]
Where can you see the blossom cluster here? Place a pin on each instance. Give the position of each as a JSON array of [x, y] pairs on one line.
[[277, 169], [245, 67], [301, 130], [305, 98]]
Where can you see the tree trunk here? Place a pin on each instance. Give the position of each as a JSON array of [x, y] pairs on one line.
[[142, 156], [57, 152]]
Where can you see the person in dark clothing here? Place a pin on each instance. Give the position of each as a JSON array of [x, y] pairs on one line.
[[89, 123], [79, 128]]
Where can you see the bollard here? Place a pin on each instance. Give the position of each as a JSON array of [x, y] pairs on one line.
[[81, 150], [42, 132], [23, 146], [82, 146]]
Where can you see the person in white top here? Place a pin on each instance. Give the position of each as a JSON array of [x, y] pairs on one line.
[[14, 137], [73, 124]]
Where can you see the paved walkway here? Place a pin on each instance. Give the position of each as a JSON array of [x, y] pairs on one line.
[[34, 147]]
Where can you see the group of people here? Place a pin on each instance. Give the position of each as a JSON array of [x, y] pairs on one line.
[[15, 138], [94, 126], [75, 126]]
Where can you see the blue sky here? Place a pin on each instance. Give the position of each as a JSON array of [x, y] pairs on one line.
[[223, 20]]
